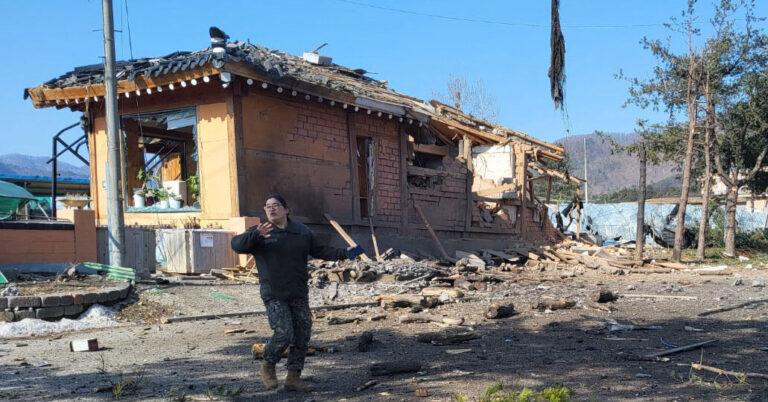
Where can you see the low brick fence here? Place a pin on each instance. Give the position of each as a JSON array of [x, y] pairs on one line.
[[58, 305]]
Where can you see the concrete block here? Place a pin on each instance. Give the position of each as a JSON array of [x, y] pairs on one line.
[[113, 295], [124, 292], [3, 302], [102, 297], [49, 312], [78, 298], [23, 301], [25, 313], [66, 300], [90, 298], [50, 301], [6, 316], [74, 309]]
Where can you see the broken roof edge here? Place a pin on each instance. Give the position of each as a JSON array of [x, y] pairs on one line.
[[479, 124]]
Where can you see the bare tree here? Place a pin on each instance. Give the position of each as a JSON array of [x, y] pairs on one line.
[[471, 98]]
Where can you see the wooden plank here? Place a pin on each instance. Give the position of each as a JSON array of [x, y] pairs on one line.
[[353, 179], [259, 312], [501, 255], [344, 235], [496, 190], [549, 189], [679, 349], [440, 107], [403, 179], [440, 150], [432, 232], [466, 151]]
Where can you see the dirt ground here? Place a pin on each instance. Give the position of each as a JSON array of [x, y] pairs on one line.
[[576, 347]]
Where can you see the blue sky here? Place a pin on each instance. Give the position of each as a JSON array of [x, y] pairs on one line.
[[414, 44]]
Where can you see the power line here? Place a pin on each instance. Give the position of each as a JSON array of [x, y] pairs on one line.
[[503, 23]]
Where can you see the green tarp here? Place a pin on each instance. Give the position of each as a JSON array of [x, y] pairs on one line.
[[12, 197]]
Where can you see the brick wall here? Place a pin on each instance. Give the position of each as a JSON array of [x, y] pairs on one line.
[[386, 136], [444, 205]]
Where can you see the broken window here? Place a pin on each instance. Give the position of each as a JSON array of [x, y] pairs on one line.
[[425, 154], [160, 163], [365, 168]]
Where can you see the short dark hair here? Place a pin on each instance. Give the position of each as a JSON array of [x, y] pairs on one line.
[[279, 199]]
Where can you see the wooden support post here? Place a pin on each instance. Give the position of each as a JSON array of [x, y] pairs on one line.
[[403, 180], [466, 151], [523, 178], [353, 179], [345, 235], [578, 215], [373, 239], [432, 232], [549, 189]]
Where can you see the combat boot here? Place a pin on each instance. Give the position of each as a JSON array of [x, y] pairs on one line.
[[294, 383], [268, 376]]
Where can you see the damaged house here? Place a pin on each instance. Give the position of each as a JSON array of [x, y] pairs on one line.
[[218, 129]]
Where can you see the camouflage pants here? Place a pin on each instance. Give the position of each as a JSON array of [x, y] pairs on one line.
[[291, 323]]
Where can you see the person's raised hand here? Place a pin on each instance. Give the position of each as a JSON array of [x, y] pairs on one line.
[[264, 229]]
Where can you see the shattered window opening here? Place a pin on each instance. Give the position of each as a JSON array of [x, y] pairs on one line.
[[160, 160], [429, 160]]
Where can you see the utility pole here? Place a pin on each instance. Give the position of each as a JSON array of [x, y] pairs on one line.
[[586, 182], [115, 222]]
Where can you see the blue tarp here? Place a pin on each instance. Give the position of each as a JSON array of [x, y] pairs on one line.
[[614, 220]]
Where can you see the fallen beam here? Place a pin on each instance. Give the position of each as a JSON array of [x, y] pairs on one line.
[[171, 320], [432, 233], [345, 235], [679, 349]]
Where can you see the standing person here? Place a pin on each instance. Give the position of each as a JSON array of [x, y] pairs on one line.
[[281, 247]]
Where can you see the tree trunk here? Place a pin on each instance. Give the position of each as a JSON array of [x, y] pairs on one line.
[[709, 133], [680, 228], [691, 101], [640, 236], [730, 216]]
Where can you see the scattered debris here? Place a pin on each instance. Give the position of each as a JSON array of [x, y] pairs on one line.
[[661, 296], [500, 310], [737, 374], [367, 385], [394, 367], [409, 318], [554, 305], [679, 349], [84, 345], [447, 339], [603, 296], [365, 341]]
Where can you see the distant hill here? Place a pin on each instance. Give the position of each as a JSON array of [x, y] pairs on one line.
[[27, 165], [607, 172]]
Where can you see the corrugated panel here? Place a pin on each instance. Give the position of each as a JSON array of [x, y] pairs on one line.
[[140, 246]]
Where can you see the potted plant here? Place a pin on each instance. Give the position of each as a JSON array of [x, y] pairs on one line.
[[148, 194], [138, 197], [174, 200], [193, 184], [162, 195]]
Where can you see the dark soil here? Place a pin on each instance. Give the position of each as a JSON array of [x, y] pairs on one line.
[[574, 347]]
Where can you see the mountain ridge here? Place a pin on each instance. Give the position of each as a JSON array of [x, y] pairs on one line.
[[30, 165], [609, 171]]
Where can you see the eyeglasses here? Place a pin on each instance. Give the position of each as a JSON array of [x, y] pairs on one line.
[[272, 206]]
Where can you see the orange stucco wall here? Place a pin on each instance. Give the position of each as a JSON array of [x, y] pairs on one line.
[[77, 244], [216, 167]]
